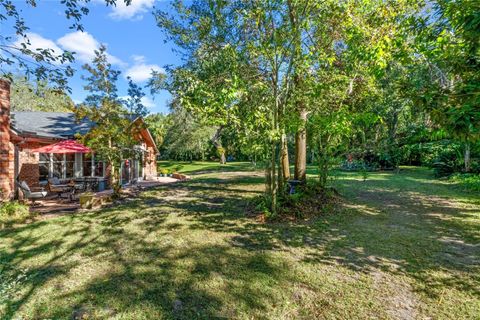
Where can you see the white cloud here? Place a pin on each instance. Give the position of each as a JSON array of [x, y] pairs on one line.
[[132, 11], [148, 102], [39, 42], [84, 46], [141, 71]]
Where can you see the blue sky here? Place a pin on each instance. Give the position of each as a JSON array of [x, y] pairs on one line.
[[134, 43]]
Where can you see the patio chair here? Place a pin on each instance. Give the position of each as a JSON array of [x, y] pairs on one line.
[[28, 194], [55, 186]]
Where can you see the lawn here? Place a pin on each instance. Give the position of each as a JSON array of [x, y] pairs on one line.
[[400, 246], [196, 167]]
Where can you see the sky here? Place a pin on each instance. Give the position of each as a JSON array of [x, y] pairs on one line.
[[135, 45]]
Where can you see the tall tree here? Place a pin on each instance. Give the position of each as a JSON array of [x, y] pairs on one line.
[[449, 40], [38, 96], [187, 138], [134, 100], [236, 67], [112, 135]]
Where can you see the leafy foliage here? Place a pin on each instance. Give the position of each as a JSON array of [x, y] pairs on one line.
[[44, 64], [13, 212], [186, 138], [158, 125], [112, 137], [467, 181], [39, 96]]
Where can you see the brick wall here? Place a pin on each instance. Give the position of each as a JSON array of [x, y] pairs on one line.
[[150, 165], [6, 147], [28, 165]]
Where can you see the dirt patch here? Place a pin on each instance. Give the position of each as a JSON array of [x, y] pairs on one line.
[[398, 298]]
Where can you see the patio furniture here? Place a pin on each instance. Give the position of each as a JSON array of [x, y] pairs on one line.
[[64, 147], [29, 194], [87, 183], [54, 185]]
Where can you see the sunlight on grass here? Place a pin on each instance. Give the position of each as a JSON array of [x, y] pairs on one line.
[[188, 251], [203, 166]]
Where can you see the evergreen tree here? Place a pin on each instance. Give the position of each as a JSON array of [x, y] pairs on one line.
[[112, 135]]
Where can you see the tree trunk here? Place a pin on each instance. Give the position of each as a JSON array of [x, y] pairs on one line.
[[301, 134], [301, 147], [284, 158], [223, 158], [467, 157], [273, 181], [218, 144], [115, 180]]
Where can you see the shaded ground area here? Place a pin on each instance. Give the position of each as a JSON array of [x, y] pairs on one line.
[[53, 205], [403, 246]]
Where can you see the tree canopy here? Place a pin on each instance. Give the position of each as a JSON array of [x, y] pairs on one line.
[[38, 96], [365, 79]]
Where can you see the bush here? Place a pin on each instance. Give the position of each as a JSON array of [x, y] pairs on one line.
[[13, 212], [468, 181], [428, 153], [359, 165], [448, 162]]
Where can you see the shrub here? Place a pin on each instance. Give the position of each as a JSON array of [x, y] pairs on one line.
[[359, 165], [428, 153], [260, 205], [164, 171], [448, 162], [13, 212], [468, 181]]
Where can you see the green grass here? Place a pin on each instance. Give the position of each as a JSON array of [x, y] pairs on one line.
[[466, 181], [196, 167], [400, 246]]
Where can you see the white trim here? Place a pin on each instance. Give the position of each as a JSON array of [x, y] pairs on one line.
[[92, 174]]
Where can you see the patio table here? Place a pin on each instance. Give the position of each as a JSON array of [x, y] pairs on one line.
[[87, 183]]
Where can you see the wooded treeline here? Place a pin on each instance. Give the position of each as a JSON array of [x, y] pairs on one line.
[[375, 82]]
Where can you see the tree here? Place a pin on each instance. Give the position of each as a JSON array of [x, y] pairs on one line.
[[112, 135], [44, 64], [187, 138], [238, 69], [449, 40], [134, 100], [158, 124], [38, 96]]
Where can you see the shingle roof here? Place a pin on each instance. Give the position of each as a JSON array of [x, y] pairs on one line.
[[49, 124]]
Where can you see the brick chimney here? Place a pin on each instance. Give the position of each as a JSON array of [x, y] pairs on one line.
[[6, 148]]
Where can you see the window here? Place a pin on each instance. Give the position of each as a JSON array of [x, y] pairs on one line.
[[44, 166], [57, 165], [87, 165], [69, 165], [98, 166]]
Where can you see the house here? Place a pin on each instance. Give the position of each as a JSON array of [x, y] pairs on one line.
[[21, 132]]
